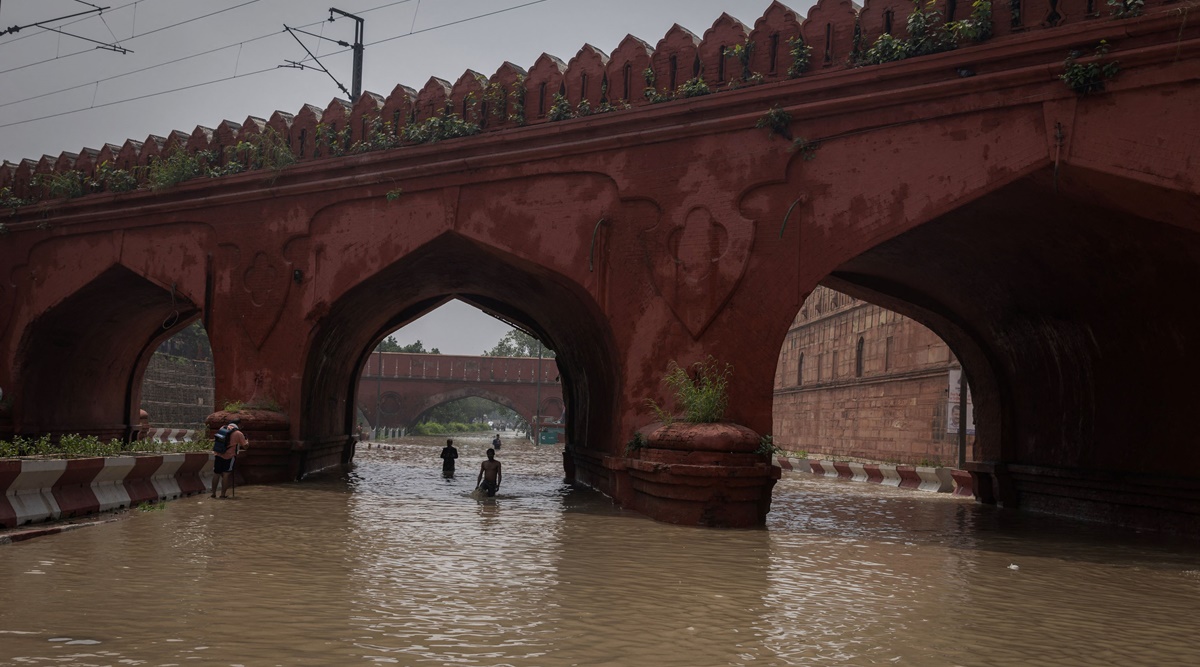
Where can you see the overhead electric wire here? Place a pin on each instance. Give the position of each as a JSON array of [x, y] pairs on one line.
[[261, 71], [183, 58], [35, 34], [139, 97], [148, 32]]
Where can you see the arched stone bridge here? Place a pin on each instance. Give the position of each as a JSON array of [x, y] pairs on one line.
[[1048, 234], [397, 388]]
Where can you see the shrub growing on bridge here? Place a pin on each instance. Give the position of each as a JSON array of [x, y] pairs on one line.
[[74, 445], [703, 396]]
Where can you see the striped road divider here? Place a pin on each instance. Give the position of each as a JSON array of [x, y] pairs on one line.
[[170, 434], [34, 490], [921, 478]]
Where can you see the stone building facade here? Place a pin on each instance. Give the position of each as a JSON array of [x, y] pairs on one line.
[[859, 381], [177, 392]]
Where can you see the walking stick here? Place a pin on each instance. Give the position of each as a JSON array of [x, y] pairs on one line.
[[233, 473]]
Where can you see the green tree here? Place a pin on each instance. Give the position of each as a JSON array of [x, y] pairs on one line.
[[517, 343], [191, 342], [390, 344]]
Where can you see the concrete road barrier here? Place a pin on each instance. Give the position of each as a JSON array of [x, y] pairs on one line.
[[33, 490], [922, 478]]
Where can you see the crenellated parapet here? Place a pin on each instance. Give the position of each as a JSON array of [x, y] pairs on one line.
[[781, 44]]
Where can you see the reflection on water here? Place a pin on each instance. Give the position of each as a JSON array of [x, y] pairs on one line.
[[393, 563]]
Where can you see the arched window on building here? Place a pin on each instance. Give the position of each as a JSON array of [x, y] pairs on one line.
[[800, 370], [858, 358]]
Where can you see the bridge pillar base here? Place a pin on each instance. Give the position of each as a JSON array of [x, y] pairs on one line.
[[271, 456], [697, 474], [1160, 503]]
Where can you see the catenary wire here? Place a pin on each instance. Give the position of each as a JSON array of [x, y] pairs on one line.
[[148, 32], [35, 34], [261, 71]]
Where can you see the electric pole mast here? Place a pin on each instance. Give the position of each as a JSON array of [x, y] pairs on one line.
[[356, 84]]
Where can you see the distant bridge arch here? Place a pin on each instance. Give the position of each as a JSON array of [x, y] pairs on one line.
[[409, 385]]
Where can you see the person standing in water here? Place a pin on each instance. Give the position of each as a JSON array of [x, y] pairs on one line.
[[489, 474], [449, 453], [496, 442]]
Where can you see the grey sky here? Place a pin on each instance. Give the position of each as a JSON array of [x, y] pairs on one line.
[[247, 82]]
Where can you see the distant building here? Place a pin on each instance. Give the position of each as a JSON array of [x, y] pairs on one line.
[[860, 381]]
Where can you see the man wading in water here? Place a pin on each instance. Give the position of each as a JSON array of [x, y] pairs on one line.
[[227, 442], [449, 453], [489, 473]]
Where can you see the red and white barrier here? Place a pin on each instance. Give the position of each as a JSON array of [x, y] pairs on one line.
[[922, 478], [170, 434], [33, 490]]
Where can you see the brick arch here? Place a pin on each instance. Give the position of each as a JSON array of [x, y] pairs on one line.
[[492, 279], [77, 338], [520, 407]]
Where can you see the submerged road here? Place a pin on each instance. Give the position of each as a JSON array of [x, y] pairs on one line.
[[391, 563]]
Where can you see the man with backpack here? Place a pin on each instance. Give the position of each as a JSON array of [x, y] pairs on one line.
[[227, 443]]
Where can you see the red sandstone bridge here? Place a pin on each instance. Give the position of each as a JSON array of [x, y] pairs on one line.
[[1048, 232], [397, 388]]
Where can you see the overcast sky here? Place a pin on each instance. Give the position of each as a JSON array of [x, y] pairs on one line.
[[108, 97]]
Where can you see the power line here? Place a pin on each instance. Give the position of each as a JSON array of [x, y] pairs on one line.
[[137, 71], [148, 32], [256, 72], [180, 59], [35, 34], [139, 97]]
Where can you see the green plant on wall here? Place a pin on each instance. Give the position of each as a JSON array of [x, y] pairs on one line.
[[65, 185], [702, 395], [111, 179], [651, 91], [269, 404], [438, 128], [330, 141], [777, 122], [767, 447], [743, 53], [1126, 9], [379, 137], [928, 33], [1088, 78], [11, 201], [176, 168], [801, 56], [694, 87], [560, 109], [636, 443], [516, 99], [807, 149]]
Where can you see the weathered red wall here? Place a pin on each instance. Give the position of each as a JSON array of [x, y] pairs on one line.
[[1038, 232]]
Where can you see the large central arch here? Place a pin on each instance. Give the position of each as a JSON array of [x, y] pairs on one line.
[[451, 266]]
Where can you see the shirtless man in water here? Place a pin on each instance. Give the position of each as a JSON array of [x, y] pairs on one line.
[[489, 474]]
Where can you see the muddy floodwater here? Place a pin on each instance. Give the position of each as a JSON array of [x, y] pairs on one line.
[[392, 563]]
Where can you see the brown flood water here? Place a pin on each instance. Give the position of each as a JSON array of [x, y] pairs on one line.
[[390, 563]]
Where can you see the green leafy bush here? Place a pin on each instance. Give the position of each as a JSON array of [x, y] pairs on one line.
[[703, 396], [75, 445], [1087, 78]]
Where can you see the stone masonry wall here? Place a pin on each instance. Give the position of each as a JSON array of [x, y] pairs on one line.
[[872, 384], [177, 392]]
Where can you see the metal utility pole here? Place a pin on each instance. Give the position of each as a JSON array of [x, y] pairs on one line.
[[378, 390], [537, 409], [962, 418], [357, 47], [356, 84]]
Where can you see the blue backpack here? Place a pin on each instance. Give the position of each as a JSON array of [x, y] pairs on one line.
[[221, 439]]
